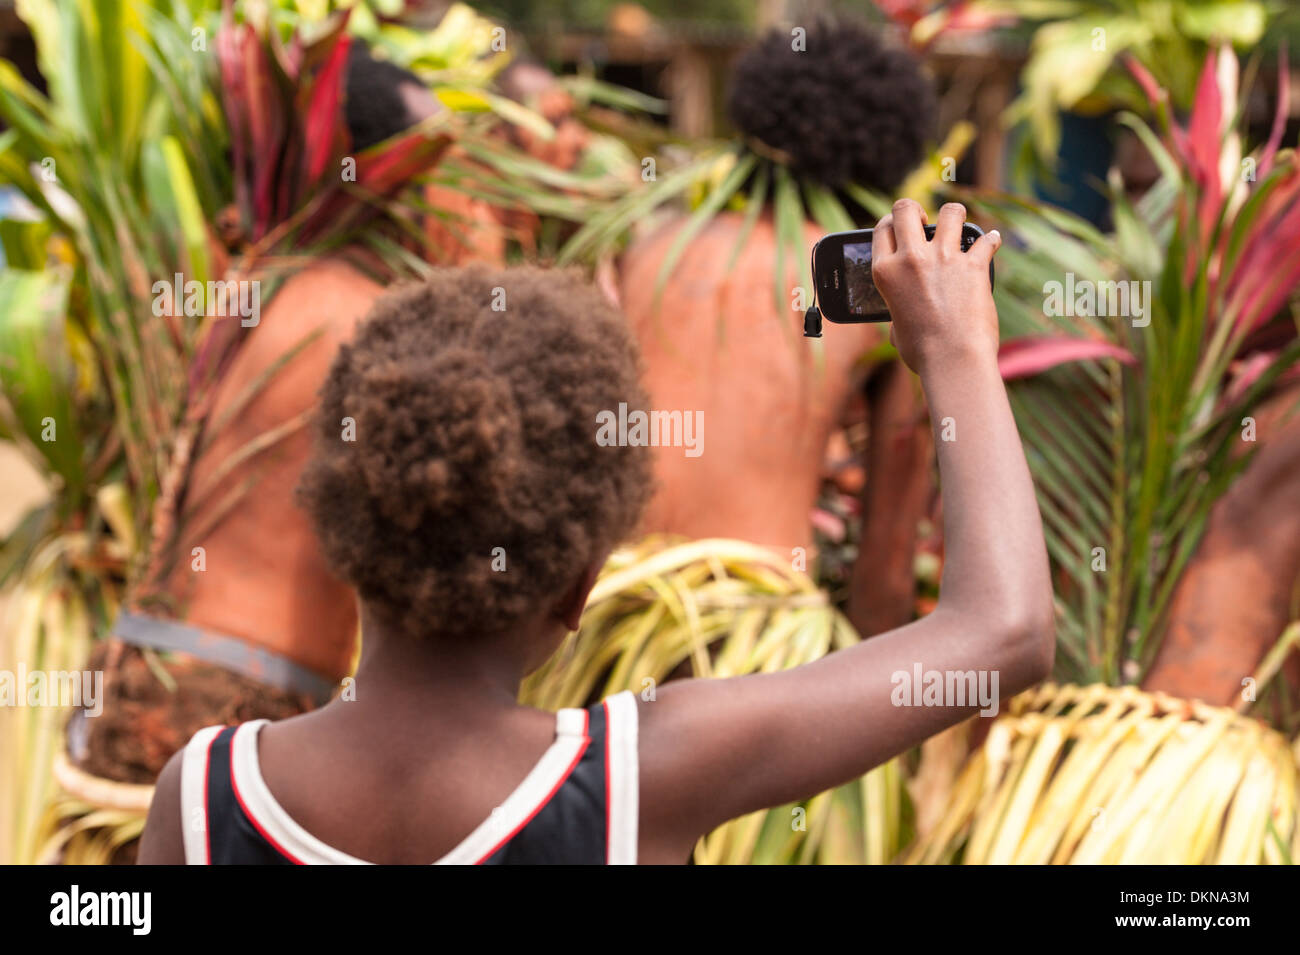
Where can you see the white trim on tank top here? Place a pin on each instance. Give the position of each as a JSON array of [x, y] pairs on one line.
[[622, 807], [545, 776]]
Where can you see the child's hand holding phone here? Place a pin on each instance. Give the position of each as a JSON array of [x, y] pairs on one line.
[[939, 297]]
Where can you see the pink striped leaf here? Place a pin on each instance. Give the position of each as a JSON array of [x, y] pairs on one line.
[[1034, 354]]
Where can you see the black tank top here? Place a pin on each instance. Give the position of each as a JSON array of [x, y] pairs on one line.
[[578, 805]]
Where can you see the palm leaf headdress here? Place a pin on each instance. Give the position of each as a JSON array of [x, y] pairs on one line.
[[830, 125]]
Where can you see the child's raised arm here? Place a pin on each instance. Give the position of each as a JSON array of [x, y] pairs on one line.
[[712, 750]]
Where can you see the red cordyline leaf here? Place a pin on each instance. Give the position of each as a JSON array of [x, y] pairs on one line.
[[1034, 354], [1279, 280], [267, 125], [1198, 147], [382, 170], [388, 165], [228, 44], [1153, 90], [1261, 279], [288, 59], [283, 106], [1205, 129], [1265, 272], [293, 56], [1280, 116], [323, 127], [1203, 146], [1246, 373], [255, 120], [211, 359], [904, 12], [316, 77]]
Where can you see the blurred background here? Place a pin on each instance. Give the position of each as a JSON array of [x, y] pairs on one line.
[[1109, 140]]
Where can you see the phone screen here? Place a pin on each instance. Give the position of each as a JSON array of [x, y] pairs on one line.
[[861, 295]]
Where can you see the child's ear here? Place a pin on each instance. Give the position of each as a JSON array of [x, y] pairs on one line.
[[569, 610]]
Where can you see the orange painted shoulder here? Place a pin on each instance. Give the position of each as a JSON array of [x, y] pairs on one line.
[[326, 297], [331, 285]]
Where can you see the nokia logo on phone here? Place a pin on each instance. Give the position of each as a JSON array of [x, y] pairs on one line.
[[836, 276]]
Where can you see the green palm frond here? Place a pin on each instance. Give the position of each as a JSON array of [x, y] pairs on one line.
[[1129, 458], [731, 176]]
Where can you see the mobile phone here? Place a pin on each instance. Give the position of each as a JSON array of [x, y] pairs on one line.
[[841, 266]]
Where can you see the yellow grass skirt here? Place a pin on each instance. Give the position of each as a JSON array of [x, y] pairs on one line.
[[1099, 774]]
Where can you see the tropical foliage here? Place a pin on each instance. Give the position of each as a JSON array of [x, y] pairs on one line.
[[180, 136], [731, 176], [1131, 447], [91, 392], [1078, 44], [1133, 426]]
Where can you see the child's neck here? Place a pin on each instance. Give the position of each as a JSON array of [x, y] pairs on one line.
[[429, 671]]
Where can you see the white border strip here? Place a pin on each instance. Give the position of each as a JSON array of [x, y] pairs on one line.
[[194, 800], [624, 780]]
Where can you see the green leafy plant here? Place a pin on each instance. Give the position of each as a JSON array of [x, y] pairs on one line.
[[1132, 425], [1078, 45]]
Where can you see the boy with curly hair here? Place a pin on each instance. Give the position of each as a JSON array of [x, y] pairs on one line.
[[459, 485]]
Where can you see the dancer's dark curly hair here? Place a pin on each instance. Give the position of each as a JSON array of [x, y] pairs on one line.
[[474, 399], [373, 107], [846, 109]]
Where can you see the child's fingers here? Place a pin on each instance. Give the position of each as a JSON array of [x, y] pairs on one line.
[[909, 225], [947, 233], [985, 247], [882, 236]]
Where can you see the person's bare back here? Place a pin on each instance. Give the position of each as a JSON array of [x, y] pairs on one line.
[[717, 344], [264, 579]]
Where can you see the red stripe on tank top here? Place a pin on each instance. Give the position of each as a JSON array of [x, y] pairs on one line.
[[253, 819], [608, 804], [207, 829]]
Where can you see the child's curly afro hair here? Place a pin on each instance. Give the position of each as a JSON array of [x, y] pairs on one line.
[[846, 109], [475, 429]]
